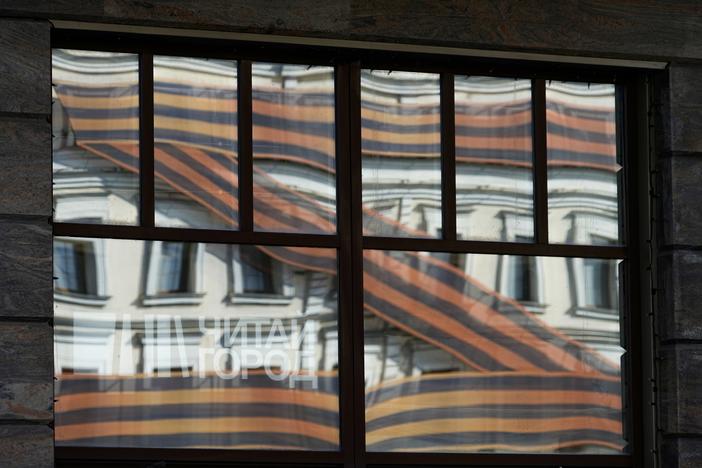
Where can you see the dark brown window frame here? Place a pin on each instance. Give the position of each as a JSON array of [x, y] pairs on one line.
[[350, 242]]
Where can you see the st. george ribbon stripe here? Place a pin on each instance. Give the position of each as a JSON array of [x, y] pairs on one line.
[[545, 382], [201, 410], [450, 276], [524, 412], [105, 122], [388, 274], [578, 127], [485, 439], [232, 440]]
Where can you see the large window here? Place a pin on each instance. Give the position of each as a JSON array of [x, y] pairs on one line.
[[339, 259]]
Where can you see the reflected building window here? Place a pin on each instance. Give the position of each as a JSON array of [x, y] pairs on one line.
[[521, 276], [521, 279], [174, 273], [521, 283], [258, 278], [596, 288], [70, 266], [175, 268], [78, 276], [257, 272], [599, 276]]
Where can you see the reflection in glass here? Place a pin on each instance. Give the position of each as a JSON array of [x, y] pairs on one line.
[[401, 151], [521, 282], [177, 346], [176, 267], [583, 168], [74, 267], [294, 148], [494, 184], [599, 275], [195, 142], [95, 126], [257, 271], [453, 365]]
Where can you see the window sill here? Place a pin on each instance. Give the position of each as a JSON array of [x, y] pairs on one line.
[[173, 299], [260, 299], [596, 313], [82, 299], [533, 307]]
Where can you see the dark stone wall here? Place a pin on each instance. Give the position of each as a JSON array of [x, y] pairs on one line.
[[679, 302], [26, 334], [645, 28], [669, 31]]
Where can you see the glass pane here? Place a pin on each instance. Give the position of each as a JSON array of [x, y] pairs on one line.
[[294, 148], [167, 345], [195, 142], [95, 126], [583, 165], [401, 148], [494, 184], [454, 364]]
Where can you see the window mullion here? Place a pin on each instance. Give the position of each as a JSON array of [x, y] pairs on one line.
[[448, 158], [245, 157], [540, 174], [345, 265], [146, 139], [356, 286]]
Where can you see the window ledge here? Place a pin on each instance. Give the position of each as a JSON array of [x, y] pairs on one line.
[[535, 307], [260, 299], [173, 299], [82, 299], [596, 313]]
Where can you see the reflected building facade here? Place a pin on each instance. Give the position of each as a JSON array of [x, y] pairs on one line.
[[239, 344]]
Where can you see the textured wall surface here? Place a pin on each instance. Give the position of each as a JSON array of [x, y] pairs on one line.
[[679, 314], [26, 337], [633, 29], [647, 28]]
